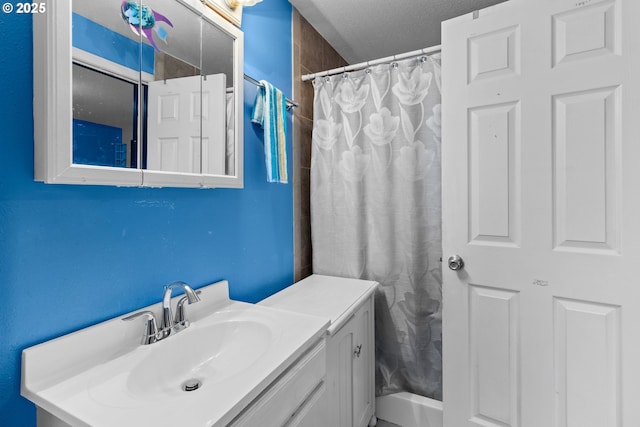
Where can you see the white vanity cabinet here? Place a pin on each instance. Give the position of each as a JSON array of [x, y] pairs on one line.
[[350, 375]]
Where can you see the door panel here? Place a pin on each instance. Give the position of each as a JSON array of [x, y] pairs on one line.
[[586, 32], [586, 358], [494, 172], [494, 367], [494, 54], [586, 148]]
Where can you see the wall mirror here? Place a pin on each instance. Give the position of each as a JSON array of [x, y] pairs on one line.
[[137, 93]]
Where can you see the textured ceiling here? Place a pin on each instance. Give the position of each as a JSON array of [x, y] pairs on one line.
[[362, 30]]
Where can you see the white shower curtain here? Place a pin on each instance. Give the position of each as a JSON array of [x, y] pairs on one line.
[[376, 208]]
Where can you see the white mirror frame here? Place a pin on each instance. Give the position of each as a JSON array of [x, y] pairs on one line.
[[53, 110], [232, 15]]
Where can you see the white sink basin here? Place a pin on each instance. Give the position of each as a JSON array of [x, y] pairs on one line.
[[208, 355], [102, 376]]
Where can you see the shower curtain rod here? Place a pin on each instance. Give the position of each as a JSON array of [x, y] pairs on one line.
[[290, 103], [365, 64]]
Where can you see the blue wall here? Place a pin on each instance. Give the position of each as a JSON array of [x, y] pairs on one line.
[[72, 256], [101, 41], [96, 144]]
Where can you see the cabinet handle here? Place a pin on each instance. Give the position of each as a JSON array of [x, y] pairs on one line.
[[356, 352]]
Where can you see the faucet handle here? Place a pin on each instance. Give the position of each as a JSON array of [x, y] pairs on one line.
[[180, 321], [151, 330]]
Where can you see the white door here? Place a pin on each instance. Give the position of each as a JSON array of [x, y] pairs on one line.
[[186, 125], [541, 198]]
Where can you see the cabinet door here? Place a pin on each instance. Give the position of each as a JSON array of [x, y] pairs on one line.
[[363, 368], [350, 370], [340, 376]]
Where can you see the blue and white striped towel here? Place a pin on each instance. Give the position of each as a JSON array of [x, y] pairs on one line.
[[270, 112]]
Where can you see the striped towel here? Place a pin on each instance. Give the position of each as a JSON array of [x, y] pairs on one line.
[[270, 112]]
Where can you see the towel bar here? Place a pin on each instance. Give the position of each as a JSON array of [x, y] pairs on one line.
[[290, 103]]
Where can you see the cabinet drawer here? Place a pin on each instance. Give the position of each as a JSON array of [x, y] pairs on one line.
[[313, 412], [282, 398]]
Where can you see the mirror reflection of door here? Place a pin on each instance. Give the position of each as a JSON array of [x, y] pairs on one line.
[[173, 131], [179, 138]]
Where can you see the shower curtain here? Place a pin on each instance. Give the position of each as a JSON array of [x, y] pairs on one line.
[[376, 208]]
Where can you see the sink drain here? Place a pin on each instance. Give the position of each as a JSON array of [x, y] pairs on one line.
[[191, 385]]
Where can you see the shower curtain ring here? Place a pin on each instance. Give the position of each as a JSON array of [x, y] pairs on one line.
[[394, 65]]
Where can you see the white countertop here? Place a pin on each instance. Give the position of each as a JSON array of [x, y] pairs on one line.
[[330, 297]]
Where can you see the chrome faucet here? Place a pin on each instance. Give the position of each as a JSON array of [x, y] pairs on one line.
[[169, 324], [167, 319]]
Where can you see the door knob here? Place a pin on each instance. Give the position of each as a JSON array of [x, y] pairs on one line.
[[455, 262]]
